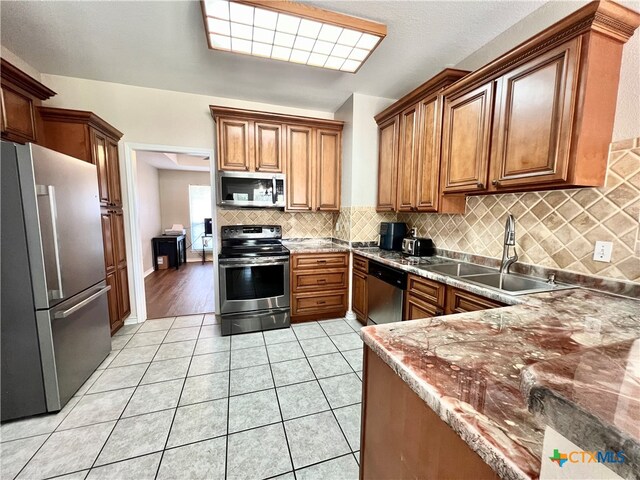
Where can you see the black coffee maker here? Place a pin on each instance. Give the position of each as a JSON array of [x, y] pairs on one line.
[[391, 235]]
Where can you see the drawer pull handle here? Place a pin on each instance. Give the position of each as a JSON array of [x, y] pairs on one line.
[[320, 302], [322, 280], [321, 261], [439, 312]]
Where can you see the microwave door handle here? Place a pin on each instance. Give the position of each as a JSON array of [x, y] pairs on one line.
[[50, 192], [274, 195]]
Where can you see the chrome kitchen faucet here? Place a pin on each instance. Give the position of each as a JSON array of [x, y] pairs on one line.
[[509, 241]]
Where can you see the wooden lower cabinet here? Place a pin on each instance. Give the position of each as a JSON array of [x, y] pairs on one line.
[[115, 262], [359, 297], [319, 286], [402, 438], [460, 301], [415, 308]]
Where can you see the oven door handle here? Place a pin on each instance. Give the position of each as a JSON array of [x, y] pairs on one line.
[[240, 264]]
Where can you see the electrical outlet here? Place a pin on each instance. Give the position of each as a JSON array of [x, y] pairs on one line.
[[602, 251]]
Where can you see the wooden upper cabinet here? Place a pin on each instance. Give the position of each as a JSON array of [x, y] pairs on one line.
[[428, 168], [113, 164], [388, 132], [535, 105], [269, 153], [328, 145], [554, 108], [234, 144], [19, 96], [408, 158], [300, 168], [307, 150], [466, 140], [99, 142]]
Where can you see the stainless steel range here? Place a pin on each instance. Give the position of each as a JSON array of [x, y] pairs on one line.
[[254, 279]]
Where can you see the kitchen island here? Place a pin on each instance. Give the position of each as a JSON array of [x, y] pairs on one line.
[[468, 369]]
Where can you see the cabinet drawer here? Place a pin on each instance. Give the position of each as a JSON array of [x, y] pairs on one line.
[[320, 260], [416, 308], [459, 301], [360, 263], [428, 290], [309, 303], [314, 280]]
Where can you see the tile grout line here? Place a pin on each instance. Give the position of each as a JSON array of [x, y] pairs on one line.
[[226, 436], [286, 438], [184, 381]]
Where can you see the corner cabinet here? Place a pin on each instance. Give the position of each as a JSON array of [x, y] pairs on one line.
[[409, 151], [307, 150], [541, 116], [20, 94], [86, 136]]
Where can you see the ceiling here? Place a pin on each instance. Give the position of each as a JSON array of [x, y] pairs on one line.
[[173, 161], [163, 45]]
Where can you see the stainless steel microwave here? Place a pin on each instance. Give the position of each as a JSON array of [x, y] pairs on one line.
[[244, 189]]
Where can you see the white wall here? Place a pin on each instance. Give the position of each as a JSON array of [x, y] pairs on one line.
[[345, 114], [152, 116], [149, 219], [627, 120], [174, 200], [360, 148], [365, 148]]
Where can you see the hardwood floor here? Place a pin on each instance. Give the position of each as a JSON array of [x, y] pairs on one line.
[[186, 291]]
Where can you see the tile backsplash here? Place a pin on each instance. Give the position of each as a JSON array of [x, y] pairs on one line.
[[294, 225], [360, 224], [555, 229]]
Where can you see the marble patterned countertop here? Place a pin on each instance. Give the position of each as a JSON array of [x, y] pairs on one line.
[[314, 246], [471, 368], [563, 358]]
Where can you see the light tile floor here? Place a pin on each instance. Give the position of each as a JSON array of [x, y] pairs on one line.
[[176, 400]]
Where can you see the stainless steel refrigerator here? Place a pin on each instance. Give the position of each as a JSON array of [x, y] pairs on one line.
[[55, 320]]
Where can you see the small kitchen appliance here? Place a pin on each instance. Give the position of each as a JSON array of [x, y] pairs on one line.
[[418, 247], [391, 235]]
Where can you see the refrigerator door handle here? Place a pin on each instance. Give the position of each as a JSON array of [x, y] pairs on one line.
[[50, 191], [83, 303]]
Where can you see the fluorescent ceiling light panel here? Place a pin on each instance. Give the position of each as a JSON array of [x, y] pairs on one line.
[[293, 32]]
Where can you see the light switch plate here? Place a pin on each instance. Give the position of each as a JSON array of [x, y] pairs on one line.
[[602, 251]]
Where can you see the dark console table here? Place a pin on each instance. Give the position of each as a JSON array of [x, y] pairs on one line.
[[173, 246]]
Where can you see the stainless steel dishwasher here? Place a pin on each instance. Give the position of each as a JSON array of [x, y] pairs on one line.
[[386, 288]]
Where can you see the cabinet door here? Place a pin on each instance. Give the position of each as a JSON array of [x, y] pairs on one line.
[[268, 147], [115, 321], [408, 159], [416, 308], [428, 169], [113, 167], [533, 131], [108, 241], [234, 144], [99, 152], [460, 301], [18, 124], [359, 297], [124, 307], [388, 164], [118, 238], [328, 164], [466, 140], [299, 168]]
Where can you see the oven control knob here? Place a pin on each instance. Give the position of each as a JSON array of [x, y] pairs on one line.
[[271, 229]]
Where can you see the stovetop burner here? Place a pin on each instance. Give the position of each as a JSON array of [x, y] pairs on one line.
[[240, 241]]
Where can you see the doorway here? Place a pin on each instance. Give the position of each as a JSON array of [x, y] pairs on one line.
[[173, 221]]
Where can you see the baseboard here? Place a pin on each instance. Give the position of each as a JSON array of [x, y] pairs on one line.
[[148, 272]]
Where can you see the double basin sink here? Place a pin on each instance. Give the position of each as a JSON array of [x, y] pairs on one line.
[[492, 278]]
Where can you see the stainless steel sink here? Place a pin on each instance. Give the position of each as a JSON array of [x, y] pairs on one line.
[[492, 278], [460, 269], [514, 284]]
